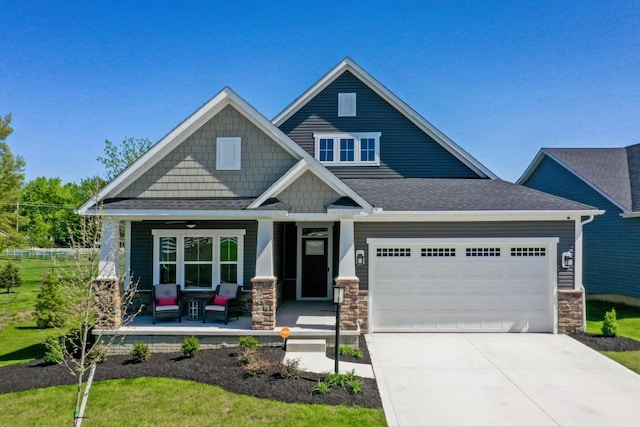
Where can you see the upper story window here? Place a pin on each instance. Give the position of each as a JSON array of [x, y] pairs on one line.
[[348, 149], [228, 153], [346, 105]]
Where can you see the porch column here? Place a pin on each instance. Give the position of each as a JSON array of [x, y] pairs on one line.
[[127, 255], [577, 256], [264, 252], [109, 264], [347, 263]]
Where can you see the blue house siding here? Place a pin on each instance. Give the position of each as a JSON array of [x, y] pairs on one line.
[[405, 151], [142, 247], [564, 230], [611, 243]]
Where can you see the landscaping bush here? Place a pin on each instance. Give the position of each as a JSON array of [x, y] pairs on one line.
[[51, 304], [97, 354], [248, 343], [348, 382], [53, 350], [346, 350], [610, 324], [140, 352], [320, 388], [190, 346], [10, 277], [290, 369]]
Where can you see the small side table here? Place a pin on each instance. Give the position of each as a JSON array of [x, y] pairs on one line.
[[193, 309]]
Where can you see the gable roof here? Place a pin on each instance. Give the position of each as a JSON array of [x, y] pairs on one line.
[[348, 64], [450, 195], [190, 125], [614, 173]]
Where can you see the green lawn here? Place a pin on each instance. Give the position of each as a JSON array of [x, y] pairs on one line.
[[628, 326], [172, 402], [20, 340]]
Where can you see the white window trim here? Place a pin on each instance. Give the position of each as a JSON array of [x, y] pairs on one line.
[[180, 235], [222, 142], [356, 136], [346, 100]]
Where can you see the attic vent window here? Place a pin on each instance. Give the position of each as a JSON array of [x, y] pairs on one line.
[[346, 105], [228, 153]]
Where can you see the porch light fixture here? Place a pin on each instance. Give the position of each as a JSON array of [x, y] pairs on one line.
[[360, 257], [338, 300]]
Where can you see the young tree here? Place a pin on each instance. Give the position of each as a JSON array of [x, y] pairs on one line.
[[95, 304], [11, 180], [118, 158], [10, 277], [51, 304]]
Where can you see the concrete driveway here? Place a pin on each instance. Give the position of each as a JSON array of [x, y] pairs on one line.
[[500, 380]]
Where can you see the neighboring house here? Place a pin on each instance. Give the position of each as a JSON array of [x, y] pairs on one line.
[[348, 186], [608, 178]]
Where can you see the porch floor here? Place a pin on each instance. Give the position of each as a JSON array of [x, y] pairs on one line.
[[304, 318]]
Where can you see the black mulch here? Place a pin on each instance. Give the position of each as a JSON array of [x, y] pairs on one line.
[[602, 343], [215, 367]]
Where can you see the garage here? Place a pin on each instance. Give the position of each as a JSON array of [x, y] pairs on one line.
[[454, 285]]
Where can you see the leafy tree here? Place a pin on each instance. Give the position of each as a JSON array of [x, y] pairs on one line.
[[11, 181], [10, 277], [118, 157], [51, 304]]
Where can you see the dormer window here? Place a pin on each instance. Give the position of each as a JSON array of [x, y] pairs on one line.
[[346, 105], [348, 149]]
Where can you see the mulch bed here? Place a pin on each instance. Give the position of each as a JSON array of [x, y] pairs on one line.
[[602, 343], [216, 367]]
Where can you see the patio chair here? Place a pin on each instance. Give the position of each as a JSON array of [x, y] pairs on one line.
[[165, 301], [226, 303]]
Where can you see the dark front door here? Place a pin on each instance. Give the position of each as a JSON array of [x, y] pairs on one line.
[[314, 268]]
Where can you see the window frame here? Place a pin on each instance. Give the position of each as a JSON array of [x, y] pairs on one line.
[[216, 235], [222, 143], [347, 104], [336, 137]]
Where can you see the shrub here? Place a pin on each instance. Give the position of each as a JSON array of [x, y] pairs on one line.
[[355, 386], [97, 354], [346, 350], [190, 346], [256, 366], [610, 324], [334, 380], [320, 388], [10, 277], [51, 304], [53, 350], [248, 343], [140, 352], [290, 369]]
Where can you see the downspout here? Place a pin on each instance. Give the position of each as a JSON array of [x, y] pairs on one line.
[[584, 292]]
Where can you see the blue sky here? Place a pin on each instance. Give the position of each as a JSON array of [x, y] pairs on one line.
[[502, 79]]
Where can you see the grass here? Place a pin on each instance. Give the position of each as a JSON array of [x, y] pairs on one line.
[[172, 402], [20, 339], [628, 326]]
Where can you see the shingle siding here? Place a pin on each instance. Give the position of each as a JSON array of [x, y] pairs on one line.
[[564, 230], [190, 169], [308, 194], [142, 247], [611, 243], [405, 151]]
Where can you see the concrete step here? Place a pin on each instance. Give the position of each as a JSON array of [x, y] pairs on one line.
[[301, 345]]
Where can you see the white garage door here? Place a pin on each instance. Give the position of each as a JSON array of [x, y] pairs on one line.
[[489, 285]]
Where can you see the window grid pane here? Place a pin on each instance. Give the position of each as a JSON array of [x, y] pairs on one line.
[[367, 149], [326, 150], [347, 149]]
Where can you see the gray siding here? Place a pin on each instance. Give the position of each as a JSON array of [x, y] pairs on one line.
[[142, 247], [190, 169], [278, 250], [611, 243], [564, 230], [405, 151], [308, 194]]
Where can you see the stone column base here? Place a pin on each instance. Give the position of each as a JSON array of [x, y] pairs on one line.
[[263, 303], [349, 312], [363, 310], [570, 311]]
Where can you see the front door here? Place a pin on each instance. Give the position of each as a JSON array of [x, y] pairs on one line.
[[314, 267]]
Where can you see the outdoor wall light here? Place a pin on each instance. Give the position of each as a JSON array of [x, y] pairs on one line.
[[567, 259], [360, 257]]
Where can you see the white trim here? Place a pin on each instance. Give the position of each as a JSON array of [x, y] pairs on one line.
[[299, 227], [215, 234], [226, 145], [348, 64], [357, 147], [630, 215], [475, 216], [347, 104], [127, 255], [549, 242], [538, 159]]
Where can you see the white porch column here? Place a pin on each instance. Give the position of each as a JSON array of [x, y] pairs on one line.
[[264, 253], [127, 255], [109, 264], [577, 256], [347, 263]]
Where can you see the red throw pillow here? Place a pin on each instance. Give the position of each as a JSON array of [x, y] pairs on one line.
[[218, 300], [166, 301]]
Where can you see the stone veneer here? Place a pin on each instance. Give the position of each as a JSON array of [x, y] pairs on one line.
[[264, 301], [570, 311], [349, 311], [363, 310], [107, 303]]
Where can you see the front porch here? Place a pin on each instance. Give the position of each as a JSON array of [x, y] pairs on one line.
[[305, 319]]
